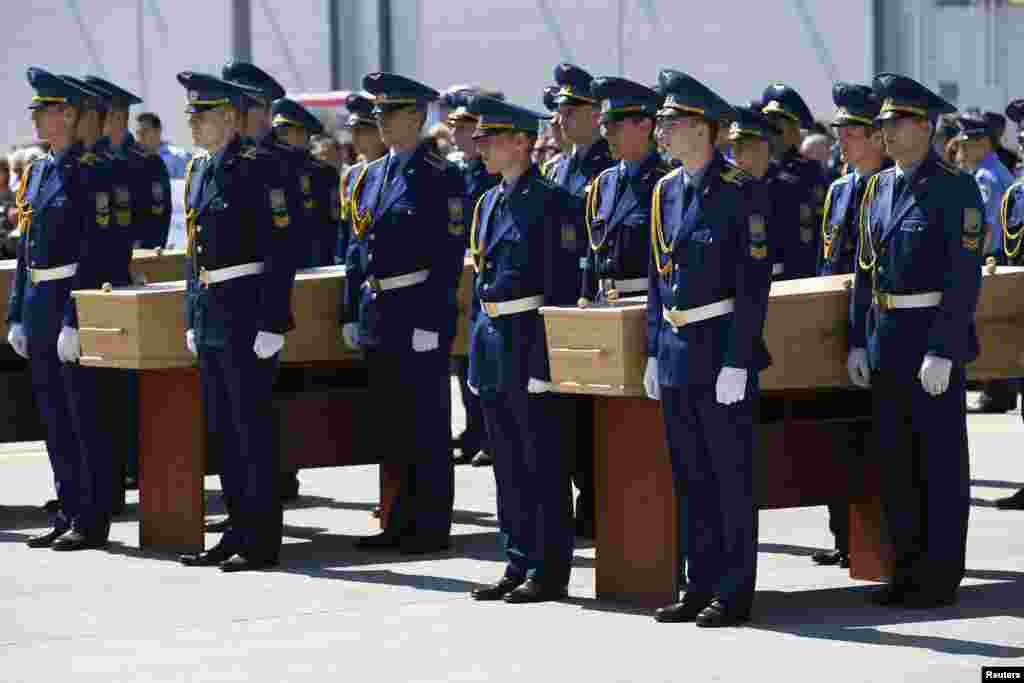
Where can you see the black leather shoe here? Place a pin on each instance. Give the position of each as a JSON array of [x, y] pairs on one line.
[[499, 590], [465, 457], [921, 599], [76, 540], [718, 614], [830, 558], [414, 546], [289, 487], [685, 610], [889, 594], [217, 527], [584, 528], [482, 459], [46, 540], [239, 563], [1014, 502], [209, 558], [131, 483], [52, 506], [378, 542], [535, 591]]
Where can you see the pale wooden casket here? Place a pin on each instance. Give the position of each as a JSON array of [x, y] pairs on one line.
[[143, 327], [602, 350], [157, 265]]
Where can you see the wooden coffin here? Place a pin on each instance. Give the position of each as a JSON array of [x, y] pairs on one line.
[[602, 350], [143, 327], [464, 301], [158, 265]]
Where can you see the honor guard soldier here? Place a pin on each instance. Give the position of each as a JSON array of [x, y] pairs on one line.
[[805, 178], [64, 202], [402, 272], [860, 138], [557, 135], [241, 265], [912, 331], [369, 147], [709, 282], [318, 182], [980, 159], [1011, 223], [521, 264], [997, 128], [579, 118], [618, 205], [151, 196], [476, 180]]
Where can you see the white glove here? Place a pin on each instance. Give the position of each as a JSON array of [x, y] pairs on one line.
[[538, 386], [473, 390], [69, 347], [348, 332], [190, 342], [267, 344], [651, 385], [934, 374], [424, 340], [731, 386], [858, 368], [17, 339]]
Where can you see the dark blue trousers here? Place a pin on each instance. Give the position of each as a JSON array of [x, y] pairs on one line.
[[411, 395], [91, 406], [532, 475], [921, 441], [711, 446], [61, 444], [237, 391]]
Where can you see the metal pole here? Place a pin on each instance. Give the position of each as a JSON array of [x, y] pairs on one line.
[[141, 41], [241, 31], [334, 33], [621, 37], [384, 34]]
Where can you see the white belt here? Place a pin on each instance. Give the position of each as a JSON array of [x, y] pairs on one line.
[[47, 274], [633, 286], [496, 309], [383, 284], [884, 301], [778, 268], [679, 319], [210, 277]]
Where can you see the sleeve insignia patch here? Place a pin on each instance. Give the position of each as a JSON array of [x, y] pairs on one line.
[[307, 184], [758, 237], [806, 214], [103, 208], [455, 210], [806, 234], [568, 236], [972, 221], [279, 208], [158, 192], [971, 243]]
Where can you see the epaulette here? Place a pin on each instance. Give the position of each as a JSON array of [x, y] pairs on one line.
[[734, 175], [842, 180], [663, 167], [549, 163], [947, 167], [435, 160], [251, 152], [378, 160], [88, 159]]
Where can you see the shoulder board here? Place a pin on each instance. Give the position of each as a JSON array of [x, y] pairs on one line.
[[843, 180], [88, 159], [948, 168], [734, 175], [886, 172], [378, 160], [251, 152], [663, 167]]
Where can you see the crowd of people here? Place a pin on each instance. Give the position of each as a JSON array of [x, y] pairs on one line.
[[618, 188]]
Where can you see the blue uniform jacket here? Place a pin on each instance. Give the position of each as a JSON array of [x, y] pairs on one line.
[[64, 203], [716, 249], [798, 188], [321, 210], [346, 184], [415, 223], [519, 252], [618, 222], [993, 181], [574, 172], [928, 241], [146, 178], [239, 211]]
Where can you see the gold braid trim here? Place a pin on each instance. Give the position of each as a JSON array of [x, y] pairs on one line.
[[345, 210], [190, 213], [1004, 217], [658, 245], [360, 221], [593, 204], [475, 250], [24, 208], [826, 237], [865, 232]]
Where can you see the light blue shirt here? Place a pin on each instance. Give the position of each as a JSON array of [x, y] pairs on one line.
[[993, 181], [175, 159]]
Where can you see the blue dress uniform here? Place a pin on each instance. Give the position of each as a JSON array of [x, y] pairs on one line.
[[993, 181], [403, 265], [915, 293], [476, 181], [241, 266], [151, 191], [618, 205], [521, 263], [318, 186], [805, 184], [360, 110], [709, 280], [65, 202], [549, 96], [575, 172]]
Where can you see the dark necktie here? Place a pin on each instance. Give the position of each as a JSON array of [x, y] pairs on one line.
[[854, 210], [898, 188]]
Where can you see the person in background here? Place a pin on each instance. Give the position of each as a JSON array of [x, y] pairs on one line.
[[997, 127], [148, 134], [817, 147], [327, 150], [8, 211]]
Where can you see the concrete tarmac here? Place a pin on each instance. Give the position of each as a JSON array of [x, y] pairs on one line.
[[332, 613]]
